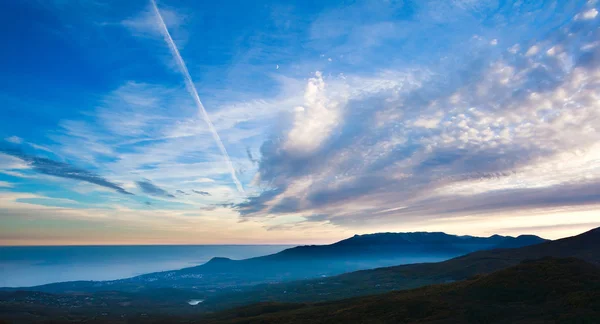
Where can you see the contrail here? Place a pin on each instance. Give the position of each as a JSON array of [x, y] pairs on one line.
[[189, 84]]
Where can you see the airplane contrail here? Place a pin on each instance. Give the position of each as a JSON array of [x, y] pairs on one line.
[[189, 84]]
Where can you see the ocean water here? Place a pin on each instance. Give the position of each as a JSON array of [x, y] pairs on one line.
[[29, 266]]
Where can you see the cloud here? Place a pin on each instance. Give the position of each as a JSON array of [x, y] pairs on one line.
[[251, 157], [314, 121], [40, 147], [145, 25], [200, 180], [286, 205], [427, 122], [587, 15], [148, 187], [504, 107], [4, 184], [532, 50], [563, 195], [63, 170], [578, 227], [149, 131], [257, 203], [201, 193], [14, 140], [495, 133], [191, 88], [181, 192]]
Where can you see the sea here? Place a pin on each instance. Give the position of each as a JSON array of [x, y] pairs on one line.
[[23, 266]]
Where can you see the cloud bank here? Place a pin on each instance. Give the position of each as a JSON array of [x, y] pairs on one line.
[[518, 131], [348, 118]]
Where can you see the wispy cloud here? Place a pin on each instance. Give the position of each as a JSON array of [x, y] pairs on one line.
[[63, 170], [201, 193], [251, 156], [14, 140], [148, 187], [144, 24], [4, 184], [194, 93]]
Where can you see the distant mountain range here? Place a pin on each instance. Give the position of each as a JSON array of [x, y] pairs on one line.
[[585, 246], [394, 244], [303, 262], [545, 282]]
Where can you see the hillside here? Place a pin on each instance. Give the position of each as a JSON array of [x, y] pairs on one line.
[[304, 262], [541, 291], [547, 290]]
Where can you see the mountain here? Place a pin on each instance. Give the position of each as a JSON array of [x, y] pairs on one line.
[[393, 244], [303, 262], [549, 290], [585, 246], [171, 305]]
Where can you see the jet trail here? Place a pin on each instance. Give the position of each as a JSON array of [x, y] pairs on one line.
[[189, 84]]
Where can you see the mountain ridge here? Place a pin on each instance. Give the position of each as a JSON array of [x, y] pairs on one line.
[[585, 246], [355, 253], [275, 297], [365, 240]]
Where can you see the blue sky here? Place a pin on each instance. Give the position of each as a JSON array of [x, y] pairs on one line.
[[315, 120]]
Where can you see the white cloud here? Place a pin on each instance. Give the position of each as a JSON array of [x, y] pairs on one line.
[[587, 15], [533, 50], [8, 162], [14, 140], [427, 122], [590, 46], [314, 123], [525, 124], [200, 180], [4, 184], [552, 51], [40, 147], [144, 24], [514, 49]]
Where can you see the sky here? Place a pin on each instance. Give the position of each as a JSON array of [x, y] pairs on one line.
[[264, 122]]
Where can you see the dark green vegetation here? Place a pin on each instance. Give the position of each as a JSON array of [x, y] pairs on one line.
[[39, 307], [463, 278], [549, 290]]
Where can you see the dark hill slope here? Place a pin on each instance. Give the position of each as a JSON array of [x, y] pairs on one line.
[[550, 290]]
